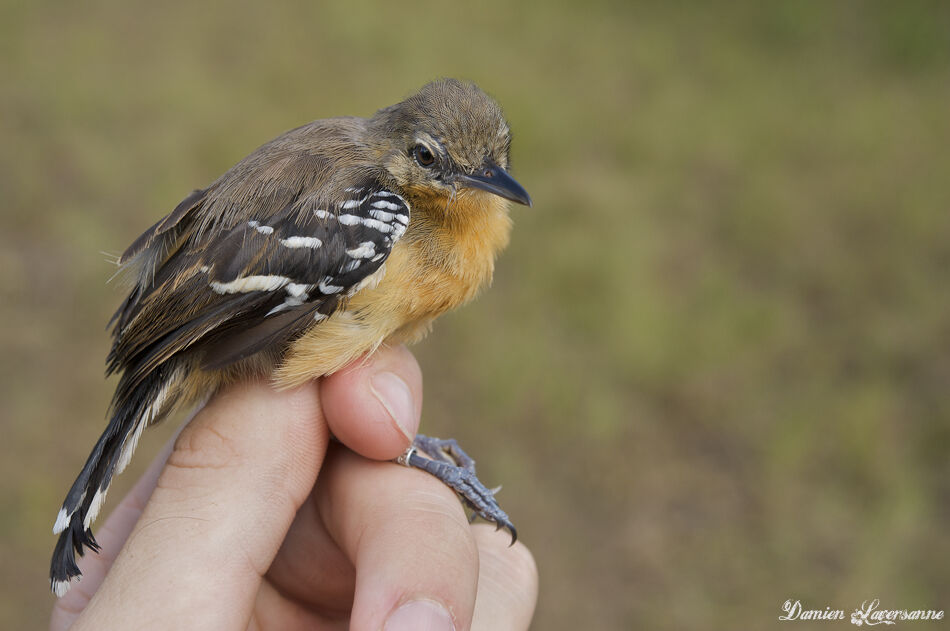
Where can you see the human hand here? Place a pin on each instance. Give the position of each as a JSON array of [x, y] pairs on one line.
[[232, 528]]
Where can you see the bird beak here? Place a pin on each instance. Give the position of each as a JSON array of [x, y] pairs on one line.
[[494, 179]]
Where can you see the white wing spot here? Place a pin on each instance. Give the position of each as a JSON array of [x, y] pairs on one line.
[[301, 242], [262, 229], [387, 205], [352, 220], [364, 251], [250, 283], [326, 288], [323, 214], [382, 215], [298, 290], [296, 296], [375, 224]]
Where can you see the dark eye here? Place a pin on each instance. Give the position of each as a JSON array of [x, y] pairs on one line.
[[423, 156]]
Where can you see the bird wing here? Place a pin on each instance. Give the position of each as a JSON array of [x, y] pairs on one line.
[[233, 291]]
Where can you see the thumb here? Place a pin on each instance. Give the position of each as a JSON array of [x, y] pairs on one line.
[[219, 512]]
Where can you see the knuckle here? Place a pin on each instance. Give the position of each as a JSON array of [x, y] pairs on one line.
[[435, 516], [202, 446]]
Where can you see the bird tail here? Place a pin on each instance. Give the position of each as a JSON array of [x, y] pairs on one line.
[[136, 406]]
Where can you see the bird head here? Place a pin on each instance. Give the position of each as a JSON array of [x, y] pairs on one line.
[[450, 138]]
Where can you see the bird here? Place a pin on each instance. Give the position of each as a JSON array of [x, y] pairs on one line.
[[320, 246]]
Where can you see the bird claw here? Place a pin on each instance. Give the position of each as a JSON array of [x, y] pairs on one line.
[[448, 462]]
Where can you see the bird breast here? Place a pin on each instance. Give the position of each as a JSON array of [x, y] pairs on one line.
[[441, 263]]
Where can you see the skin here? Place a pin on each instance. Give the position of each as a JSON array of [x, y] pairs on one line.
[[239, 526]]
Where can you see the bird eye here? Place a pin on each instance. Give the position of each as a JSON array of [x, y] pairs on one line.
[[423, 156]]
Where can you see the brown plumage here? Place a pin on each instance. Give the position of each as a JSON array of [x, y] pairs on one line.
[[318, 247]]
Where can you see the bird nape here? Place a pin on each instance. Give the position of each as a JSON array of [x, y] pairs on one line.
[[315, 249]]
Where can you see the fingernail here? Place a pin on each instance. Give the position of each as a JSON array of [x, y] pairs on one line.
[[396, 397], [420, 615]]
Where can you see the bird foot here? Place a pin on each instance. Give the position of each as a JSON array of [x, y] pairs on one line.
[[444, 459]]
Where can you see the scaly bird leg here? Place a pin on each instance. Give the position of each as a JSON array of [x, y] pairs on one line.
[[455, 468]]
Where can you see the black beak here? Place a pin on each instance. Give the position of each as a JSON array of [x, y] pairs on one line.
[[494, 179]]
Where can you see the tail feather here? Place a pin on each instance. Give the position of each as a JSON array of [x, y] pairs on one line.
[[146, 403], [63, 568], [84, 481]]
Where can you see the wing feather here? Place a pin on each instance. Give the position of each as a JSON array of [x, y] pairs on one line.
[[228, 294]]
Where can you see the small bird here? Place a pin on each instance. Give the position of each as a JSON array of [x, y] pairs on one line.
[[320, 246]]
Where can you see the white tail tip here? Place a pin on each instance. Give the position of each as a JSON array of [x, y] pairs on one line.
[[60, 588], [62, 521]]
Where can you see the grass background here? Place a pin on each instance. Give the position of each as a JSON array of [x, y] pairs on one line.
[[712, 370]]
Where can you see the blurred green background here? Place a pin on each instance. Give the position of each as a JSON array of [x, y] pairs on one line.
[[712, 372]]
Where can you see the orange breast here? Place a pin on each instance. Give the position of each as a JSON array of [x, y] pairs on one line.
[[445, 257]]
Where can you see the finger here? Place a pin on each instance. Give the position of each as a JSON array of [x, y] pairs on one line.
[[408, 537], [221, 507], [310, 568], [373, 405], [507, 583]]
